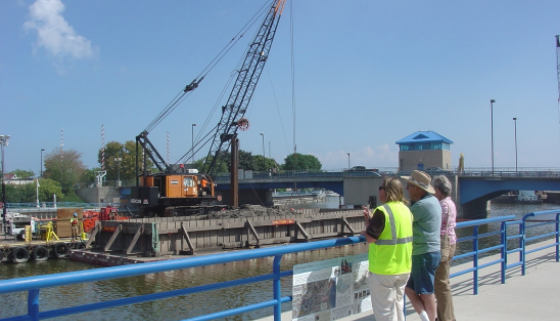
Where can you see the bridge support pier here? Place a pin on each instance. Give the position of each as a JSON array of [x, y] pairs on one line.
[[476, 209], [251, 196]]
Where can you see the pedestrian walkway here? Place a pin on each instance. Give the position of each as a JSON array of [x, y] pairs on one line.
[[531, 297]]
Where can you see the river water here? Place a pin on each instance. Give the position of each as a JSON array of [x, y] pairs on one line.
[[203, 303]]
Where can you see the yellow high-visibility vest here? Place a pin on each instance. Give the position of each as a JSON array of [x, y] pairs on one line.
[[392, 253]]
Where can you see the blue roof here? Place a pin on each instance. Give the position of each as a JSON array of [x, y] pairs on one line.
[[423, 137]]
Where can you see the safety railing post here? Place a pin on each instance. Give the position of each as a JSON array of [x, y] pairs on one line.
[[33, 304], [558, 237], [523, 241], [276, 288], [504, 250], [475, 259]]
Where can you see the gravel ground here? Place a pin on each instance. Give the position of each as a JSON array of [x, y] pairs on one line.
[[252, 210]]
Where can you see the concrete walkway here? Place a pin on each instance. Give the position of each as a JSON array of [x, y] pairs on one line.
[[531, 297]]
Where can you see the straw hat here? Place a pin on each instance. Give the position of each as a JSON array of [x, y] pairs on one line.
[[420, 179]]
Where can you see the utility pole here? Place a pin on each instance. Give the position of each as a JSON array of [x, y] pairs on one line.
[[4, 142], [264, 154], [42, 150], [492, 101], [515, 124]]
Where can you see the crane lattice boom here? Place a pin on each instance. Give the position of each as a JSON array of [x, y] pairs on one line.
[[244, 87]]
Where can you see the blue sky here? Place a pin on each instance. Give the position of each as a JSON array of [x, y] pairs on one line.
[[366, 74]]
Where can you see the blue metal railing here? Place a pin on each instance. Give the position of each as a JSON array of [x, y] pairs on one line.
[[526, 239], [476, 251], [503, 247], [34, 285]]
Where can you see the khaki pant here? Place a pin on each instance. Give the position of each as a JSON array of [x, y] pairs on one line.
[[387, 296], [445, 311], [75, 232]]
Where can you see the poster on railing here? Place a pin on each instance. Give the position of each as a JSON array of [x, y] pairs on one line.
[[330, 289]]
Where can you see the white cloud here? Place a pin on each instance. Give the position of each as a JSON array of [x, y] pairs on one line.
[[54, 34]]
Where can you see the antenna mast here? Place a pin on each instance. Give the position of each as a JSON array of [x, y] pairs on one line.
[[61, 143]]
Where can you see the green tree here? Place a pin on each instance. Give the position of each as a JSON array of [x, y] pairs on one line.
[[20, 173], [246, 160], [126, 166], [264, 164], [19, 193], [27, 193], [221, 168], [48, 187], [88, 177], [301, 162], [65, 168]]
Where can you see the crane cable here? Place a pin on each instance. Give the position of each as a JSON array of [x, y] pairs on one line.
[[256, 17], [171, 106], [199, 143]]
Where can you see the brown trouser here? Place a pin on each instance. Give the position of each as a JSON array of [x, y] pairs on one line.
[[75, 232], [445, 311]]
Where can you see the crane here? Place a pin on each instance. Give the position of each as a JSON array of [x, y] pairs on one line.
[[177, 190]]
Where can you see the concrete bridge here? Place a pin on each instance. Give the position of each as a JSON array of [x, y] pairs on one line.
[[471, 190]]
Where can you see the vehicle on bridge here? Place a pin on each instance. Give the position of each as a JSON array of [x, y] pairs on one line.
[[362, 171], [437, 171]]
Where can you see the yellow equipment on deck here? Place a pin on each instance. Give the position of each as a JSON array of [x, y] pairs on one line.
[[47, 232]]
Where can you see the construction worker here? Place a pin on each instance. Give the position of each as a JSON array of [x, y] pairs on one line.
[[204, 185], [75, 227]]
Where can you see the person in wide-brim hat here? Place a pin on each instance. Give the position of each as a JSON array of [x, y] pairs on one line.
[[420, 179]]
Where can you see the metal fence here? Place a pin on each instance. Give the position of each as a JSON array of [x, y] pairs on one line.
[[34, 285]]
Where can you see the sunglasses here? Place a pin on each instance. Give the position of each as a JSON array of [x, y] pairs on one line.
[[381, 187]]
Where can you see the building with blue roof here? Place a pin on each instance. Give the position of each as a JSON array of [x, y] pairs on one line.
[[423, 150]]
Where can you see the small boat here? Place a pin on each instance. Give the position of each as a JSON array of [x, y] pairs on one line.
[[527, 197]]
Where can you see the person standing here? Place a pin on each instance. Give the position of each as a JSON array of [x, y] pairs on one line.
[[442, 186], [426, 244], [389, 235], [74, 227]]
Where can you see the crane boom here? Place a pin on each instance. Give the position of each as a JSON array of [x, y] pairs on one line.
[[244, 87]]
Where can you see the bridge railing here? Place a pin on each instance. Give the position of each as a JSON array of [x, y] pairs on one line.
[[392, 171], [529, 223], [505, 247], [34, 285]]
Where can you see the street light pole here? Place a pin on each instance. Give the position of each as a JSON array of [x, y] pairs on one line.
[[515, 126], [4, 142], [264, 154], [42, 150], [192, 142], [492, 101], [348, 160], [118, 160]]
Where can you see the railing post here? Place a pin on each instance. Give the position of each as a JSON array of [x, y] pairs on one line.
[[33, 304], [504, 251], [558, 237], [523, 243], [276, 288], [475, 260]]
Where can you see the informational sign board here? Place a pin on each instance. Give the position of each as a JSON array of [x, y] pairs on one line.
[[330, 289]]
